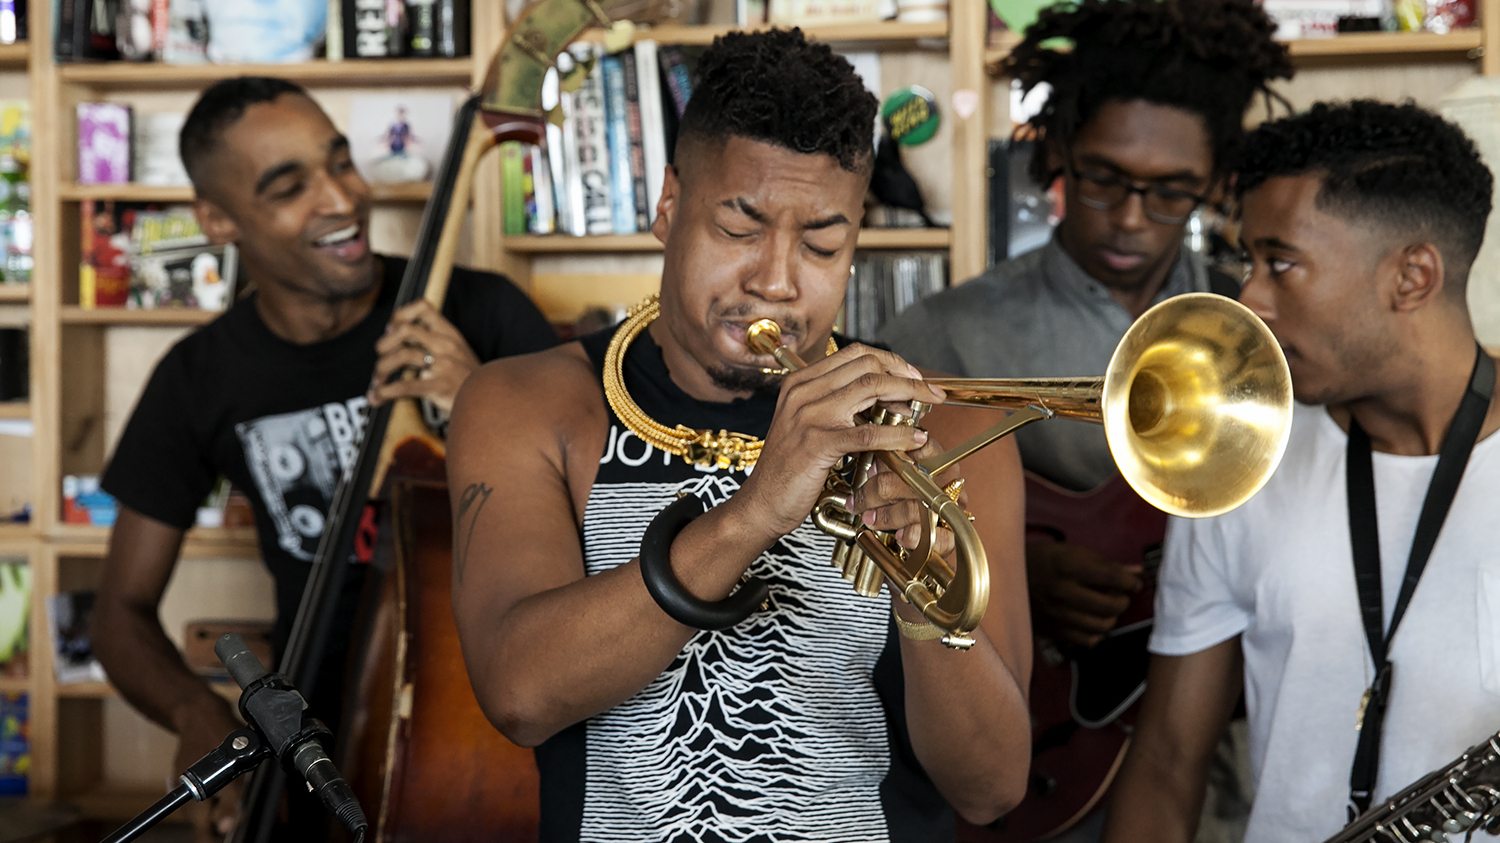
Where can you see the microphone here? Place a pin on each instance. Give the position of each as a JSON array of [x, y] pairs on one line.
[[272, 705]]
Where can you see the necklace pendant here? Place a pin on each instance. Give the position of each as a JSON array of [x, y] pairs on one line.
[[724, 450]]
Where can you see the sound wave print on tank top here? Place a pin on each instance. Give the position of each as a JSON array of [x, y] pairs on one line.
[[770, 731]]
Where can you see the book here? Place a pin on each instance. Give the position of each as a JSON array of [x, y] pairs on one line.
[[512, 191], [797, 12], [545, 221], [68, 614], [562, 210], [438, 28], [15, 745], [397, 138], [187, 33], [103, 143], [86, 30], [622, 186], [572, 186], [637, 141], [154, 152], [15, 605], [528, 191], [678, 72], [589, 126], [15, 129], [653, 130], [376, 26]]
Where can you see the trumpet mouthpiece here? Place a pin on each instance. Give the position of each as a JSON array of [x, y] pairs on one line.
[[763, 336]]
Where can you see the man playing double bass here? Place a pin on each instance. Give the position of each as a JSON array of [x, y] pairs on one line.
[[274, 393], [812, 719]]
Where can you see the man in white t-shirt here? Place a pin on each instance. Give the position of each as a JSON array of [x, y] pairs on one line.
[[1362, 220]]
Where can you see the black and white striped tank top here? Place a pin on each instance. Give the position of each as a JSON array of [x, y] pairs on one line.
[[789, 727]]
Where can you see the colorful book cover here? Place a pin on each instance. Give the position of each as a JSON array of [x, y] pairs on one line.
[[15, 744], [653, 130], [528, 188], [622, 186], [637, 148], [103, 143], [513, 203], [144, 257], [15, 129], [104, 256], [589, 124], [15, 611]]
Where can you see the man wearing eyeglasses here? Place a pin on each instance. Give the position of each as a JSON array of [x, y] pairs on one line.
[[1141, 122]]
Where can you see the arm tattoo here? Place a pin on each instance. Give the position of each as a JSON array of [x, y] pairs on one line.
[[469, 503]]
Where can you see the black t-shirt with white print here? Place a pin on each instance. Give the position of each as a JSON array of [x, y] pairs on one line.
[[282, 420]]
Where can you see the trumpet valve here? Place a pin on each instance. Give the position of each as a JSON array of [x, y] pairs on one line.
[[869, 578]]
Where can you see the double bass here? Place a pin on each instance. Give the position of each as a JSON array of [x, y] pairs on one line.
[[424, 761]]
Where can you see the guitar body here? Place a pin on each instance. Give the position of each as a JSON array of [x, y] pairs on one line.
[[1082, 710], [418, 750]]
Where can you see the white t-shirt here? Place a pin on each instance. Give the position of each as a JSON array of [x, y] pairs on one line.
[[1278, 571]]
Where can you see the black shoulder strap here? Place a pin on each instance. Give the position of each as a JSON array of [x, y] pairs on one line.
[[1221, 283]]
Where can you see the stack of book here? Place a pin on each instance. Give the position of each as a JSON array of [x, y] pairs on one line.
[[601, 171], [886, 283]]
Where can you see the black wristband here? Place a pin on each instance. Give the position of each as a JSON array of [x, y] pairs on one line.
[[678, 602]]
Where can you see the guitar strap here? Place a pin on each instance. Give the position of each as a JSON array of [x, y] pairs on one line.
[[1364, 538]]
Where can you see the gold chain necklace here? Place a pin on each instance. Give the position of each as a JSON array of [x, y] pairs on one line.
[[725, 449]]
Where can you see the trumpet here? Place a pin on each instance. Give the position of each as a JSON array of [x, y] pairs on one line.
[[1196, 405]]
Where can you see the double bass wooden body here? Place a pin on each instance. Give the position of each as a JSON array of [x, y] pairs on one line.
[[417, 750]]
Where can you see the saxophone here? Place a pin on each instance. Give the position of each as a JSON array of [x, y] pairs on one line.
[[1461, 798]]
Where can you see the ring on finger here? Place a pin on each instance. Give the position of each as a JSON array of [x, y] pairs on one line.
[[427, 360]]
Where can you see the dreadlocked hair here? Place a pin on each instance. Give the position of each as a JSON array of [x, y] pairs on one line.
[[1398, 166], [1206, 57], [775, 86]]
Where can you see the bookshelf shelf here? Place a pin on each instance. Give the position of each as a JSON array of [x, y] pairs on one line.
[[12, 533], [88, 540], [15, 56], [14, 684], [837, 33], [15, 292], [869, 238], [74, 315], [371, 72], [1352, 46], [131, 192], [15, 410], [1387, 44]]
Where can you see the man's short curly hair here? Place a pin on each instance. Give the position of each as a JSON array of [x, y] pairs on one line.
[[776, 86], [1207, 57], [1398, 166], [218, 108]]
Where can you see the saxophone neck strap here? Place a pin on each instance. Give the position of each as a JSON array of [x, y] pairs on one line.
[[1364, 536]]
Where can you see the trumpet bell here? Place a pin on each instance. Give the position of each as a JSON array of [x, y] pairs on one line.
[[1197, 405]]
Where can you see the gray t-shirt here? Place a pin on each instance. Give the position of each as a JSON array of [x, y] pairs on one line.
[[1038, 315]]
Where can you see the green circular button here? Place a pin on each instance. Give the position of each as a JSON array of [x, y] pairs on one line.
[[910, 115]]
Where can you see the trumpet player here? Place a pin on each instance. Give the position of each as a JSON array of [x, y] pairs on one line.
[[814, 719], [1355, 598]]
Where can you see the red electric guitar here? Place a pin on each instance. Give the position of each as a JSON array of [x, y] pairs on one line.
[[1082, 708]]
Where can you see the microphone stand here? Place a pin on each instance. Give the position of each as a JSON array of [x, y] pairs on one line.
[[240, 753], [277, 728]]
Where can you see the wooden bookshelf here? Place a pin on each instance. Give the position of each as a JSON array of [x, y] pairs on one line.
[[371, 72], [869, 238], [131, 192], [15, 292], [15, 56], [13, 685], [15, 410], [875, 32], [12, 533], [75, 315]]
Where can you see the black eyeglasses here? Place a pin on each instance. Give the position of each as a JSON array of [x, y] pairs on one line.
[[1107, 191]]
